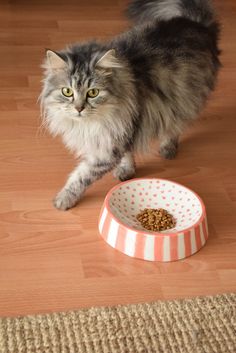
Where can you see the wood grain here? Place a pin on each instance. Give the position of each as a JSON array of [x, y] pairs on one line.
[[50, 260]]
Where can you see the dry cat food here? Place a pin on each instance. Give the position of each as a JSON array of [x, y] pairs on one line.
[[156, 219]]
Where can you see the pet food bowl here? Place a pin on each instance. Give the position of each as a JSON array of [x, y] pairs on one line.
[[120, 229]]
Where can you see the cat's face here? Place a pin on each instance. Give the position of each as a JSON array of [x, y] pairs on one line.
[[81, 92]]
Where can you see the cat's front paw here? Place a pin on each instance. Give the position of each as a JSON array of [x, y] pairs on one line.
[[124, 174], [65, 200]]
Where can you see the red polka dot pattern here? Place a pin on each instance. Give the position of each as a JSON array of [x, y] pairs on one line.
[[127, 201]]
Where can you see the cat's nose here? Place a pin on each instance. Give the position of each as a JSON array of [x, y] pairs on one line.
[[79, 108]]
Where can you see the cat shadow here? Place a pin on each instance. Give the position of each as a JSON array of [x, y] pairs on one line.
[[148, 171]]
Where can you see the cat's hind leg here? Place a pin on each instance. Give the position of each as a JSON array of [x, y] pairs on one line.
[[169, 146], [125, 170]]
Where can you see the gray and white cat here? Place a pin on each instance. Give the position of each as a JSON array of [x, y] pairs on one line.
[[108, 100]]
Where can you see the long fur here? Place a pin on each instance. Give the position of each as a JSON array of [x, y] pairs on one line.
[[153, 81]]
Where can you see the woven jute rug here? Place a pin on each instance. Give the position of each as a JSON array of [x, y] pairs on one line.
[[206, 324]]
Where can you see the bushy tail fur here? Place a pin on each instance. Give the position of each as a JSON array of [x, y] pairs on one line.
[[200, 11]]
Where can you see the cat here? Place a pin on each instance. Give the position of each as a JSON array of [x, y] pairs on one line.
[[109, 100]]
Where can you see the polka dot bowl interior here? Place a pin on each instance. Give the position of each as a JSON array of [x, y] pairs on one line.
[[120, 229]]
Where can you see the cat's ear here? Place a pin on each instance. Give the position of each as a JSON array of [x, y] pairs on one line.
[[54, 61], [109, 60]]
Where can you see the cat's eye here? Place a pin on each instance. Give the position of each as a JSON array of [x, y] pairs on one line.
[[67, 92], [92, 93]]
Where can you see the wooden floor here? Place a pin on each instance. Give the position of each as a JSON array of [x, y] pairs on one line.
[[50, 260]]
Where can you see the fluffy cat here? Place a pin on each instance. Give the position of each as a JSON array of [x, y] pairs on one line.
[[108, 100]]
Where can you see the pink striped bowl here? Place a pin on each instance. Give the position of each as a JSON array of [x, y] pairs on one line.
[[120, 229]]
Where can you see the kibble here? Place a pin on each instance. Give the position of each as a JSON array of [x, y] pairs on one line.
[[156, 220]]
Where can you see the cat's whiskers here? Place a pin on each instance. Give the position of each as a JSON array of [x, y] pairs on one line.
[[42, 129]]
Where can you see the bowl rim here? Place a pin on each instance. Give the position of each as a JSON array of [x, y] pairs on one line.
[[155, 234]]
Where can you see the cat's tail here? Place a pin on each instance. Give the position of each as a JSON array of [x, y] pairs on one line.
[[200, 11]]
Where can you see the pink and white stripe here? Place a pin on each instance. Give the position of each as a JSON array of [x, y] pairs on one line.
[[119, 227], [152, 247]]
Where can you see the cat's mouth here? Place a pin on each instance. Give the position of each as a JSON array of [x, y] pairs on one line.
[[78, 116]]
